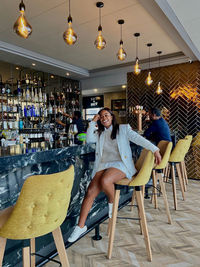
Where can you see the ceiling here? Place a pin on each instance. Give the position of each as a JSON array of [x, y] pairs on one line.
[[49, 20]]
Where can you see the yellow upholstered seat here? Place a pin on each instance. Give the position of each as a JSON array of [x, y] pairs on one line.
[[40, 209], [144, 167]]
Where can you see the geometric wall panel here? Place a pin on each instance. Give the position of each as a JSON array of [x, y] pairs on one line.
[[181, 97]]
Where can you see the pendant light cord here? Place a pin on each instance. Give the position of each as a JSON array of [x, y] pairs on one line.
[[69, 9], [121, 32], [136, 47], [99, 16], [149, 57]]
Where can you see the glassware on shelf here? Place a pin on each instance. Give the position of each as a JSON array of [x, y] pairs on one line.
[[73, 130]]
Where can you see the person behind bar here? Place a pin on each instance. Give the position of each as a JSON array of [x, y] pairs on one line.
[[158, 129], [76, 119], [112, 163]]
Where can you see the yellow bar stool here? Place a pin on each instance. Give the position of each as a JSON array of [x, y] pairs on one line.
[[177, 156], [157, 175], [144, 166], [40, 209]]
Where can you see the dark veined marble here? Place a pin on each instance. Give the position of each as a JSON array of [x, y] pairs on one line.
[[16, 167]]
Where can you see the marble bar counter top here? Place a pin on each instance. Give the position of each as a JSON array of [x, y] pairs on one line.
[[19, 156], [19, 162]]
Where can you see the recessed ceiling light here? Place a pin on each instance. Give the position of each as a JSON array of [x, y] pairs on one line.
[[33, 64], [123, 86], [95, 90], [67, 73], [52, 76], [17, 68]]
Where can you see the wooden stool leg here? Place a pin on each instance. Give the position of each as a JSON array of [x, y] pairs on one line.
[[114, 219], [162, 185], [154, 189], [180, 179], [185, 170], [174, 186], [2, 249], [166, 172], [140, 220], [183, 175], [132, 200], [26, 257], [58, 239], [140, 202], [143, 190], [109, 226], [32, 252]]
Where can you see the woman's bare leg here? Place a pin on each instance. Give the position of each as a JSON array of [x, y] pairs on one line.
[[92, 192], [108, 179]]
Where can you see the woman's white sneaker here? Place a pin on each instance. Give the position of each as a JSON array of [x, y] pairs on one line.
[[77, 233]]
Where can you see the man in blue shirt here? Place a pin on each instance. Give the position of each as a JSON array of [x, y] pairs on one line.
[[158, 129]]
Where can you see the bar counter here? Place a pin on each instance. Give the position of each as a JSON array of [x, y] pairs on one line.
[[20, 161]]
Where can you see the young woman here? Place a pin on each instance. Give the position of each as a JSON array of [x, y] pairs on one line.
[[113, 161]]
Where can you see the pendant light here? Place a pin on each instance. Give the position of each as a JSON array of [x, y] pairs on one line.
[[159, 88], [21, 26], [121, 54], [69, 35], [137, 68], [100, 42], [149, 80]]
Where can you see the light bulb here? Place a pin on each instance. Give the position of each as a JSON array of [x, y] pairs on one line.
[[149, 80], [121, 54], [137, 68], [159, 89], [100, 42], [69, 35], [21, 26]]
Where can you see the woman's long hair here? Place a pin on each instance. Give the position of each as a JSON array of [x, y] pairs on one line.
[[115, 125]]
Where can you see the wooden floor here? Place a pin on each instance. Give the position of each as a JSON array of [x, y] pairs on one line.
[[176, 245]]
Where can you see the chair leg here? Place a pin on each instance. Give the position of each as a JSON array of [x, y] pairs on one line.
[[58, 239], [183, 175], [185, 170], [162, 185], [180, 178], [114, 219], [2, 249], [140, 220], [166, 172], [32, 252], [109, 226], [132, 200], [26, 257], [140, 202], [154, 189], [174, 186]]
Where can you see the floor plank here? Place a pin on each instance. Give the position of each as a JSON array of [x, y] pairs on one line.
[[176, 245]]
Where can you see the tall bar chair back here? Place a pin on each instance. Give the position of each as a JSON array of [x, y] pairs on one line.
[[144, 167], [40, 209], [157, 174]]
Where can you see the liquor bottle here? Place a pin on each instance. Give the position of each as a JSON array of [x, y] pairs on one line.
[[45, 97], [25, 111], [27, 93], [32, 94], [40, 94], [36, 95], [19, 93]]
